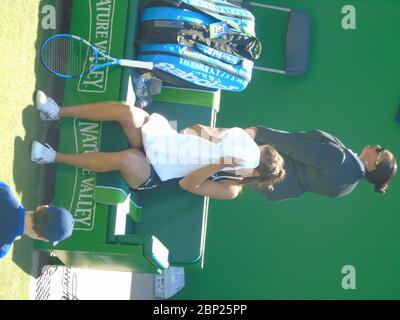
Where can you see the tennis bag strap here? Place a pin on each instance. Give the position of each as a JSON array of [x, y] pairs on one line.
[[239, 38], [222, 10], [192, 35]]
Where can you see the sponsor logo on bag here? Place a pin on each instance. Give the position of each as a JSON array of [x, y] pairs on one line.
[[191, 77]]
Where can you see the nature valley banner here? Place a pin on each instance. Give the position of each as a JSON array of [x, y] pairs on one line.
[[83, 206], [102, 23], [101, 15]]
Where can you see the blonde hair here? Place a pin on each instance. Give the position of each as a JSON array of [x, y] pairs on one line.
[[271, 169]]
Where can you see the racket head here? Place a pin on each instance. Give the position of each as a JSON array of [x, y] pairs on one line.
[[68, 56]]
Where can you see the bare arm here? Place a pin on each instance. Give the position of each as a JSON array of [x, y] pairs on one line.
[[218, 190], [197, 183], [214, 134], [206, 132], [252, 131]]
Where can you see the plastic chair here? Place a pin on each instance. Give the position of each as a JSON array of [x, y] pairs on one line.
[[298, 38]]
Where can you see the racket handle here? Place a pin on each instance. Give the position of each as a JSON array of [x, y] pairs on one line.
[[136, 64]]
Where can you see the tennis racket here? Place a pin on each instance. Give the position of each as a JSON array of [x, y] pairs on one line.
[[70, 56]]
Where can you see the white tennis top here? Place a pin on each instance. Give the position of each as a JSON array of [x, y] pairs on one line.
[[175, 155]]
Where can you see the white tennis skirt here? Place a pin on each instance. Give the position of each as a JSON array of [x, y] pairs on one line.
[[175, 155]]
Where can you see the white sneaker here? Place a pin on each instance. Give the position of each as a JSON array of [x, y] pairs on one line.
[[47, 106], [42, 154]]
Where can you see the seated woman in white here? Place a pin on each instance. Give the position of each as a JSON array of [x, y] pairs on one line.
[[207, 161]]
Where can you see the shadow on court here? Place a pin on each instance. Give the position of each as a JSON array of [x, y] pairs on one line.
[[25, 172]]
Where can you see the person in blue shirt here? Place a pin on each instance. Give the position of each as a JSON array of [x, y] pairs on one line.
[[47, 223]]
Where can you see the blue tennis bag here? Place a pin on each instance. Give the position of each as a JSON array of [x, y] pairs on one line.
[[203, 44]]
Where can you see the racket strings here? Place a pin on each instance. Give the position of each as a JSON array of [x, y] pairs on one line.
[[67, 56]]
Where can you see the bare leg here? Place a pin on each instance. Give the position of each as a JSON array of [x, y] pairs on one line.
[[131, 163], [208, 133], [131, 119]]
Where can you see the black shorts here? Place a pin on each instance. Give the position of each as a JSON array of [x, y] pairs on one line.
[[152, 182]]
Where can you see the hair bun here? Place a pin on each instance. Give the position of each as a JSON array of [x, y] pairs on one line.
[[381, 188]]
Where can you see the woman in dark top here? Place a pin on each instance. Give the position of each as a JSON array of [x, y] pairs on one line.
[[318, 162]]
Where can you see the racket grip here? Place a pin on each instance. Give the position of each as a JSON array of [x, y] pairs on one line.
[[136, 64]]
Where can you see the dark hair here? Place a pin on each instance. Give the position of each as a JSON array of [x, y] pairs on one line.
[[382, 175], [271, 169], [41, 221], [53, 223]]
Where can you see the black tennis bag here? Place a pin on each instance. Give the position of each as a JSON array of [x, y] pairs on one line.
[[204, 44]]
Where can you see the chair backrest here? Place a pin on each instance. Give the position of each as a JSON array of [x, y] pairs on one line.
[[298, 40]]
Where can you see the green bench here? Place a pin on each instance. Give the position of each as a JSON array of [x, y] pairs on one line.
[[165, 226]]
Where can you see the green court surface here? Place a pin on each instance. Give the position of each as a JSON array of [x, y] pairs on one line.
[[296, 249], [20, 125]]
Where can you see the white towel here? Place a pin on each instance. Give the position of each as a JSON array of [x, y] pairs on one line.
[[175, 155]]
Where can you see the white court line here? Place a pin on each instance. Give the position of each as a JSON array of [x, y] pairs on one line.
[[269, 70], [267, 6]]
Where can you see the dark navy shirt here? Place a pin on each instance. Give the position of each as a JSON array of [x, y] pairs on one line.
[[360, 165], [12, 218], [315, 161]]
